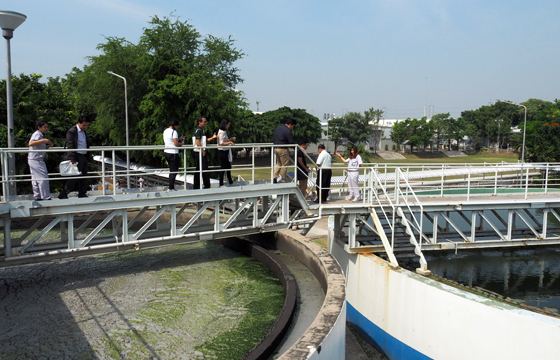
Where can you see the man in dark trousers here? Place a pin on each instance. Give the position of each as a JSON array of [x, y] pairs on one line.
[[324, 174], [201, 161], [77, 140], [283, 136], [302, 169]]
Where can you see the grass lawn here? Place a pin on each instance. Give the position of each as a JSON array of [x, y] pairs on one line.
[[439, 158], [435, 158]]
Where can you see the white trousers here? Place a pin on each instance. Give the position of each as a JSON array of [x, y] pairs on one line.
[[353, 184], [38, 169]]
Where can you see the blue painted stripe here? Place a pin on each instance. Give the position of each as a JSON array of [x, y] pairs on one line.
[[380, 339]]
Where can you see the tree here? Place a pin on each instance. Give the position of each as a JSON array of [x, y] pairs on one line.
[[172, 73], [455, 130], [259, 128], [353, 126], [399, 133], [419, 132], [373, 117], [542, 143], [34, 100], [439, 124]]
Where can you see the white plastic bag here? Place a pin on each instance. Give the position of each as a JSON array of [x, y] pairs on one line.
[[69, 169]]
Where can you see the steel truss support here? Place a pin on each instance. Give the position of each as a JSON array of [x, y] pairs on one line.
[[84, 227]]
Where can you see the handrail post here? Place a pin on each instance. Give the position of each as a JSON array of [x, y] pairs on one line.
[[442, 178], [546, 180], [114, 174], [184, 169], [103, 171], [201, 182], [253, 164], [272, 162], [5, 175], [496, 183], [385, 175], [526, 182], [469, 186], [295, 164], [397, 185]]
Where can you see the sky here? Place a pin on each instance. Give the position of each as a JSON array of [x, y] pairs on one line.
[[328, 56]]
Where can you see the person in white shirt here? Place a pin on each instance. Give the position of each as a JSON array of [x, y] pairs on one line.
[[354, 162], [172, 141], [324, 174], [224, 152], [36, 161]]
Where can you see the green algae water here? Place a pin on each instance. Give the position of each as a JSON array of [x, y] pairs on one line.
[[194, 301]]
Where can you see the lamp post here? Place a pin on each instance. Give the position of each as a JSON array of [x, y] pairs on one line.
[[126, 118], [9, 21], [524, 127], [327, 117]]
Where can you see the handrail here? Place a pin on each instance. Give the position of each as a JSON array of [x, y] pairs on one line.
[[474, 179], [112, 159]]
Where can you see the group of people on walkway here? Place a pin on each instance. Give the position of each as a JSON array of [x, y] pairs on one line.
[[77, 141], [283, 136], [200, 139]]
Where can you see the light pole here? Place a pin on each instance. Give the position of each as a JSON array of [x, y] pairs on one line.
[[126, 118], [9, 21], [326, 118], [524, 127]]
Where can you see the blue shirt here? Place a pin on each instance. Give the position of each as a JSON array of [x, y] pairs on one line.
[[82, 144]]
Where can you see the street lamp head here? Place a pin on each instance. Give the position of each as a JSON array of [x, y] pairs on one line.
[[9, 21]]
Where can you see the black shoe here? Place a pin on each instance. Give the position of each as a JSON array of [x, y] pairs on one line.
[[82, 196], [62, 195], [274, 181]]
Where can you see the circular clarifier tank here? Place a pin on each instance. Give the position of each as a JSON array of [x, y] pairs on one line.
[[198, 300]]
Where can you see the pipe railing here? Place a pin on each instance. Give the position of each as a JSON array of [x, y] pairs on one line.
[[504, 176], [110, 166]]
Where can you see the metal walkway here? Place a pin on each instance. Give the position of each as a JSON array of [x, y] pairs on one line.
[[126, 221], [404, 210]]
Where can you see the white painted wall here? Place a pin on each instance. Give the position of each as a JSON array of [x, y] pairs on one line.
[[334, 345], [443, 322]]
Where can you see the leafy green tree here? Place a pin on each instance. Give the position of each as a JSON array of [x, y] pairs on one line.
[[541, 142], [456, 130], [543, 145], [498, 129], [34, 100], [419, 132], [439, 124], [353, 126], [373, 116], [399, 133], [259, 128], [172, 73], [337, 130]]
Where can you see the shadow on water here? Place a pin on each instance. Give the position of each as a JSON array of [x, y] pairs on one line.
[[36, 321], [531, 275]]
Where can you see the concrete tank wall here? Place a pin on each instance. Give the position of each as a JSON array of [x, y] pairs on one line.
[[325, 338], [409, 316]]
